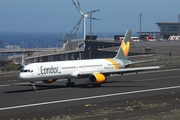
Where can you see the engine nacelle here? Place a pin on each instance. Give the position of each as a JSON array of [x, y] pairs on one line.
[[49, 80], [97, 78]]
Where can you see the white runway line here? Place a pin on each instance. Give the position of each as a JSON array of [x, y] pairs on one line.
[[4, 85], [151, 79], [155, 71], [86, 98]]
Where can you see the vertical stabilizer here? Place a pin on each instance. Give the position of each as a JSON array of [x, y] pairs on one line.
[[124, 48]]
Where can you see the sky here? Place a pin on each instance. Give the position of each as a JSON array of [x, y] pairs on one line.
[[62, 16]]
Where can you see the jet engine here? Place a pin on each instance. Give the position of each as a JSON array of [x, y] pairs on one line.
[[49, 80], [97, 78]]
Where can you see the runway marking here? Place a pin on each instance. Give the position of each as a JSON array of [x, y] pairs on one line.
[[4, 85], [151, 79], [86, 98], [154, 71]]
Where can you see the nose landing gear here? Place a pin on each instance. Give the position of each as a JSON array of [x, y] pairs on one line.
[[33, 86], [69, 83]]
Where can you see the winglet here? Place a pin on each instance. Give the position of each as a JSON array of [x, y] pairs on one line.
[[124, 48], [167, 61]]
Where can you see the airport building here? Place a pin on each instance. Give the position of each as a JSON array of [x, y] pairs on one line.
[[167, 29]]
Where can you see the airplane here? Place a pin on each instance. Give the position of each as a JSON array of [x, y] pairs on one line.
[[96, 70]]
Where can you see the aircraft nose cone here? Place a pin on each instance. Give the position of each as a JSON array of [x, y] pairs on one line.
[[20, 76]]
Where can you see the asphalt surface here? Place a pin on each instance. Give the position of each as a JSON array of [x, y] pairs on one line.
[[17, 101], [121, 97]]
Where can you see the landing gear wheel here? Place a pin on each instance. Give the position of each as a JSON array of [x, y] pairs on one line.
[[33, 86], [69, 83]]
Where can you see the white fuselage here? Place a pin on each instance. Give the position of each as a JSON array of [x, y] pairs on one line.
[[67, 69]]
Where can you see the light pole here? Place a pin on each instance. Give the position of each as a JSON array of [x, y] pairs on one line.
[[140, 15], [57, 45], [32, 43], [45, 43], [89, 52], [36, 42], [9, 40], [90, 26], [179, 24], [5, 45], [22, 44], [91, 18], [49, 41]]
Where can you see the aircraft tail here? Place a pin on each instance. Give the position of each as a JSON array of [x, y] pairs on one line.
[[124, 48]]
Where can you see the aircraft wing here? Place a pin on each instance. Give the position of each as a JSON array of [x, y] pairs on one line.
[[122, 70], [119, 71], [129, 70], [126, 70]]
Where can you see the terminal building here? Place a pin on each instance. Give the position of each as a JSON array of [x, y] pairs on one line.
[[167, 29]]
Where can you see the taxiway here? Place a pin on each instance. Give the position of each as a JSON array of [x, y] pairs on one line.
[[18, 98]]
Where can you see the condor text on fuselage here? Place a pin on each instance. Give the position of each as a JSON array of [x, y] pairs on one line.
[[49, 70]]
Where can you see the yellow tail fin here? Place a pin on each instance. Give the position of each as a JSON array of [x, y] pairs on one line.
[[125, 46]]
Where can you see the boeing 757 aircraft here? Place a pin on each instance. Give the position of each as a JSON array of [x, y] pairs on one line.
[[96, 70]]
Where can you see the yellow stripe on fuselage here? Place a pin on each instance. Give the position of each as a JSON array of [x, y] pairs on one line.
[[114, 63]]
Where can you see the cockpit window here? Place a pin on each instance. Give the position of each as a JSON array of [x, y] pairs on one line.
[[26, 70]]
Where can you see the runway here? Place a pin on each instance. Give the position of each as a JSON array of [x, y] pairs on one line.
[[17, 98]]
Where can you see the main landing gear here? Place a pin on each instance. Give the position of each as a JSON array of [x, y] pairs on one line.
[[69, 83], [33, 86]]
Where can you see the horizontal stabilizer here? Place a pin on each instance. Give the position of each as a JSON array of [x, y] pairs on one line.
[[138, 62]]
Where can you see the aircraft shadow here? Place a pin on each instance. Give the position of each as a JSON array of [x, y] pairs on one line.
[[84, 85], [18, 91]]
